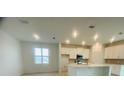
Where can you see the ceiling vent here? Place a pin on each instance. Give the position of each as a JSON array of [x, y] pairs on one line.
[[24, 21], [120, 33], [91, 26]]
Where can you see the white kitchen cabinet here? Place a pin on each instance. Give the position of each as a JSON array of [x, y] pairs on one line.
[[65, 51], [72, 53], [109, 53], [121, 51], [83, 52], [114, 52], [86, 53], [80, 51], [69, 51], [64, 63], [106, 53]]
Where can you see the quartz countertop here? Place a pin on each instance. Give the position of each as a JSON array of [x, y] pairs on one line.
[[89, 65]]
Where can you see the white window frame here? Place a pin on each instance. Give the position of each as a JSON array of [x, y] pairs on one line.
[[40, 56]]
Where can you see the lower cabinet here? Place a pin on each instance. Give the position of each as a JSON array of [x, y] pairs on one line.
[[64, 63]]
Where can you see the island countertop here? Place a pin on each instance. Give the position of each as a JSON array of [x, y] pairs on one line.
[[89, 69], [89, 65]]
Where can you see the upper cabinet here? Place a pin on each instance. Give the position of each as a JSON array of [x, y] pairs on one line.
[[111, 52], [121, 52], [65, 51], [114, 52], [84, 52], [106, 56], [72, 52]]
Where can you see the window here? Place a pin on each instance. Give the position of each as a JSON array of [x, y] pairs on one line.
[[41, 55]]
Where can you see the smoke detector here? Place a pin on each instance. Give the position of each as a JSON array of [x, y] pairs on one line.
[[120, 33], [53, 37]]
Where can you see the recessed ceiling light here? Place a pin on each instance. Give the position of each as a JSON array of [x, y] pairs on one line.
[[83, 43], [112, 39], [96, 37], [36, 36], [75, 34], [67, 41]]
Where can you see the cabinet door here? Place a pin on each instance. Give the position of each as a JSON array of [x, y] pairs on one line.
[[106, 53], [80, 51], [109, 53], [64, 50], [121, 51], [72, 53], [64, 62], [106, 56], [86, 53], [114, 52], [83, 52]]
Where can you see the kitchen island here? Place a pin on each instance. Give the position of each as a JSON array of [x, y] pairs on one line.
[[89, 70]]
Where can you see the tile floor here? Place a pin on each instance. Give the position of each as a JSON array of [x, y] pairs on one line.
[[47, 74], [51, 74]]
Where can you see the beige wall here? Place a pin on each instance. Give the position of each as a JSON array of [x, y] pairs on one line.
[[97, 53], [10, 55], [28, 62]]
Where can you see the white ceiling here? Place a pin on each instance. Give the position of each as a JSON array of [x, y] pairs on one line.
[[62, 29]]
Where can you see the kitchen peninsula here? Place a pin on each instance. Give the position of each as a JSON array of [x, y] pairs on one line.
[[89, 70]]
